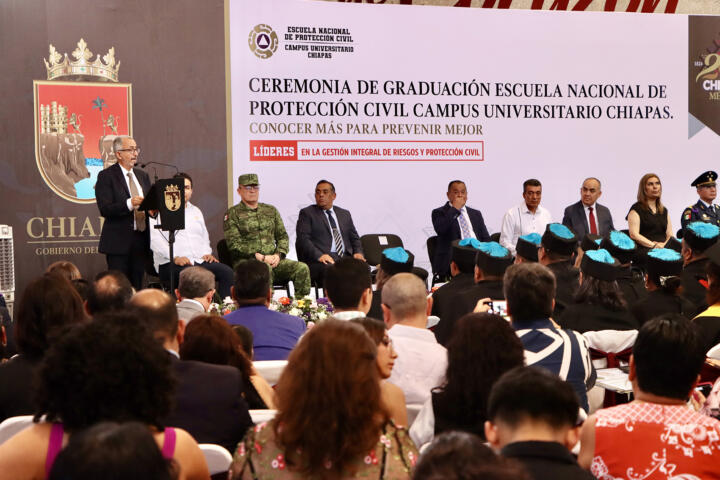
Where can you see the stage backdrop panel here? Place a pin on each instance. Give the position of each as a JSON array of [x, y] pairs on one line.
[[391, 103]]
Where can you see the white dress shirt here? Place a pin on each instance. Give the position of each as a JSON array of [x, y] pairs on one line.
[[127, 184], [422, 429], [421, 362], [587, 217], [348, 315], [463, 212], [193, 242], [519, 221]]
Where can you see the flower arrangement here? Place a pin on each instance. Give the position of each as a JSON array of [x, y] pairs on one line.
[[228, 305], [306, 308]]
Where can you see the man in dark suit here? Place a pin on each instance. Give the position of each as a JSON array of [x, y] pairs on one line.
[[588, 216], [455, 221], [119, 191], [208, 401], [325, 233]]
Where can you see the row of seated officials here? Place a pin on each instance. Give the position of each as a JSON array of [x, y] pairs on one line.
[[120, 385]]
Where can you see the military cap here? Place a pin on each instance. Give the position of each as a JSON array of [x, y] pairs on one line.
[[600, 264], [620, 246], [664, 262], [559, 239], [396, 260], [590, 242], [527, 246], [492, 258], [248, 179], [707, 178], [463, 254], [700, 235]]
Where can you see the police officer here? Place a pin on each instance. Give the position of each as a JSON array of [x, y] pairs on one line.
[[254, 229], [703, 210]]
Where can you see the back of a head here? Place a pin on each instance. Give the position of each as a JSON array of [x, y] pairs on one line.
[[210, 339], [529, 290], [246, 339], [668, 356], [345, 281], [111, 290], [113, 451], [65, 269], [47, 304], [156, 310], [405, 295], [252, 281], [463, 456], [375, 328], [195, 282], [332, 378], [108, 369], [532, 394]]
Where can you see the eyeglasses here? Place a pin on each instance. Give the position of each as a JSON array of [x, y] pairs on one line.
[[132, 150], [250, 188]]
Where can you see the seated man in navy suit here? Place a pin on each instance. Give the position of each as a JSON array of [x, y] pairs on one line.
[[325, 233], [455, 221], [588, 216]]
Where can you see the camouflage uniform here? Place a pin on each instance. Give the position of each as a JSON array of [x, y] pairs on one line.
[[261, 230]]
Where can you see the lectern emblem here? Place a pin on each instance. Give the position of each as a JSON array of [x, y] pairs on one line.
[[172, 198]]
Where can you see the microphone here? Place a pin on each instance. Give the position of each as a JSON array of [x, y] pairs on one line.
[[143, 165]]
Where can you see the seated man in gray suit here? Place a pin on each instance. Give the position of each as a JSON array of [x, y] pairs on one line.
[[325, 233], [195, 292], [588, 216]]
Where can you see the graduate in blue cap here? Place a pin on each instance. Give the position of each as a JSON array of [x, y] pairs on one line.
[[462, 269], [393, 260], [491, 261], [708, 321], [698, 238], [557, 247], [630, 279], [599, 304], [663, 282], [526, 248]]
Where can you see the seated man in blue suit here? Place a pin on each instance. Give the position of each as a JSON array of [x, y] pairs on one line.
[[455, 221], [588, 216], [325, 233]]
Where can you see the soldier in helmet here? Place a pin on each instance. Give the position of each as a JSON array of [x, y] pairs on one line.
[[704, 210], [255, 230]]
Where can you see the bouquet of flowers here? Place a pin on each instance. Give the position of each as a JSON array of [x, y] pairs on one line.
[[228, 305], [309, 310]]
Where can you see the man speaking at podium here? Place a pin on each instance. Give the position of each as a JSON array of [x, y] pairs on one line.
[[119, 191]]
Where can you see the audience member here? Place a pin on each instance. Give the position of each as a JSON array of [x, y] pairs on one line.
[[463, 456], [530, 290], [195, 292], [246, 340], [274, 333], [697, 238], [526, 248], [209, 338], [663, 282], [532, 417], [421, 361], [482, 347], [330, 422], [348, 286], [666, 439], [47, 304], [557, 246], [491, 261], [599, 304], [82, 287], [392, 397], [709, 320], [630, 279], [113, 451], [110, 369], [588, 242], [65, 269], [208, 401], [392, 260], [462, 276], [528, 217], [648, 219], [110, 291]]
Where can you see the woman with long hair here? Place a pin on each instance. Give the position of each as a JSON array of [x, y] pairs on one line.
[[392, 396], [648, 219], [482, 347], [331, 422], [210, 339]]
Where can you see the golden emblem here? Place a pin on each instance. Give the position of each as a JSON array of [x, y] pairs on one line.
[[172, 198]]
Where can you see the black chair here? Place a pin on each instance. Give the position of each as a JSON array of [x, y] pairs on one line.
[[430, 244], [225, 257], [495, 237], [373, 245]]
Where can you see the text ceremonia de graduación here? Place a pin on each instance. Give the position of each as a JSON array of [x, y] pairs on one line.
[[620, 101]]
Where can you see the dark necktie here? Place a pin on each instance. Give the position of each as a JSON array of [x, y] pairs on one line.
[[593, 227], [139, 215], [337, 239]]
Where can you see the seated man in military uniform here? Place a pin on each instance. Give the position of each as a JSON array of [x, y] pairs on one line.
[[255, 230], [704, 210]]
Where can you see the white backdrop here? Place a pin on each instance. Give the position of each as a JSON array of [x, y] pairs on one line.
[[440, 44]]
